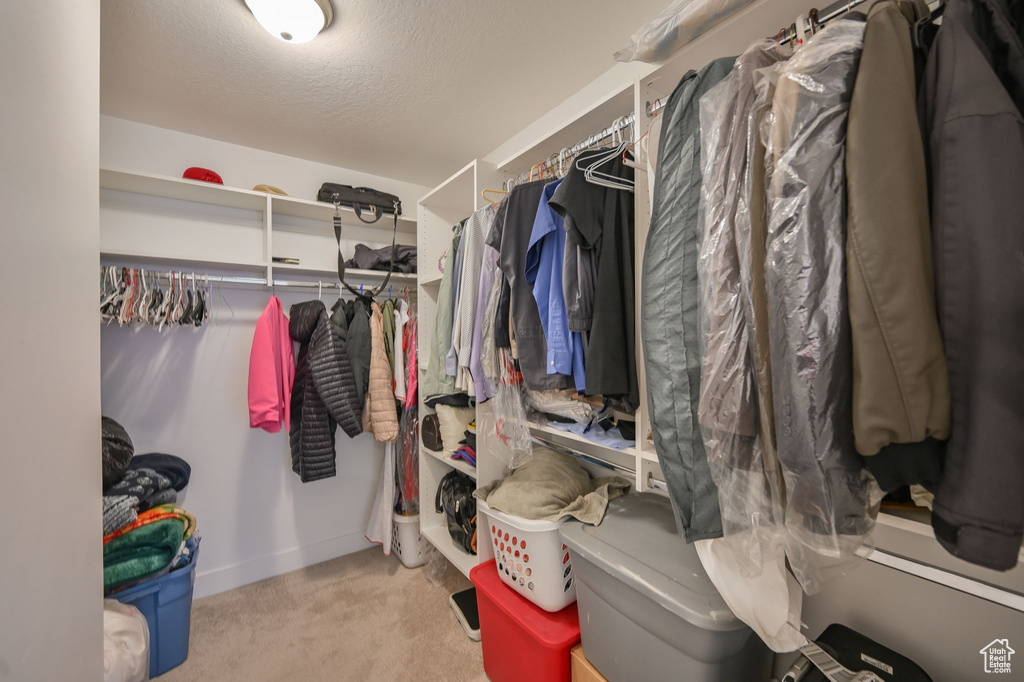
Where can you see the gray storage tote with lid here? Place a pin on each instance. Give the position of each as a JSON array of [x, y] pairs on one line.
[[648, 610]]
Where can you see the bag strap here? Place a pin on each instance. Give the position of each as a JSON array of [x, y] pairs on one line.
[[341, 257]]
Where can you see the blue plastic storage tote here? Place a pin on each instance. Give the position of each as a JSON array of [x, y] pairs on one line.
[[167, 605]]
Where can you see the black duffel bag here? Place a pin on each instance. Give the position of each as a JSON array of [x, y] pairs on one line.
[[455, 499], [360, 199]]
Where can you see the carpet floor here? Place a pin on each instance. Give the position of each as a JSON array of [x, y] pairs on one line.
[[360, 617]]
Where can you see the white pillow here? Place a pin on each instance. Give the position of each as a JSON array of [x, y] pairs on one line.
[[454, 421]]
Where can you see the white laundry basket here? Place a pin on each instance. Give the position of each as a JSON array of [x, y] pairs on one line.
[[530, 557], [406, 541]]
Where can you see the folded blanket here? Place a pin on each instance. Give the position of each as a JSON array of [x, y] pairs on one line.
[[174, 468], [141, 483], [118, 512], [153, 515], [552, 485], [143, 551]]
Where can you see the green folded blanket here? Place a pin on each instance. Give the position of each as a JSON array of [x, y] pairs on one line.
[[145, 550]]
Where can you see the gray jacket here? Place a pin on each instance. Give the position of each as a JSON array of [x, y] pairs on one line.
[[436, 380], [670, 319], [829, 494], [735, 409], [970, 105]]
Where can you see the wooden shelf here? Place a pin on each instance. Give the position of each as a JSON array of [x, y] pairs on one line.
[[457, 464], [438, 536]]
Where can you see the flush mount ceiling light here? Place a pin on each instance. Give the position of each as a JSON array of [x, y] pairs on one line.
[[293, 21]]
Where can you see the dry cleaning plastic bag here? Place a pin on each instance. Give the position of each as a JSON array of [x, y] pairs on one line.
[[678, 24]]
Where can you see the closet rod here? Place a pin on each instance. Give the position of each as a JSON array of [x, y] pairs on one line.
[[653, 108], [826, 15], [620, 123], [254, 281], [580, 455]]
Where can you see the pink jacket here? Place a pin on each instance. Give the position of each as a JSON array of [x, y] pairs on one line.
[[271, 371]]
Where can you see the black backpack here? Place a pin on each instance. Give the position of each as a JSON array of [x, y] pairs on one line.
[[455, 499]]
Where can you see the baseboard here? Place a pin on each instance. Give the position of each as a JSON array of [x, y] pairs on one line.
[[261, 568]]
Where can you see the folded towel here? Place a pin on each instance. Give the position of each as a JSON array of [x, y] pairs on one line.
[[118, 512], [143, 551], [552, 485], [155, 514]]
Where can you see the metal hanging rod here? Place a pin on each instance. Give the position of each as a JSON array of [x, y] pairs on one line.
[[251, 281], [620, 124], [654, 108]]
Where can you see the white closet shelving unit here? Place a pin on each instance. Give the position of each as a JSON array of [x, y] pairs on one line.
[[907, 544], [448, 204], [172, 223]]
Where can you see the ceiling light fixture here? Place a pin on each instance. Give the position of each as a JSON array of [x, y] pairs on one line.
[[293, 21]]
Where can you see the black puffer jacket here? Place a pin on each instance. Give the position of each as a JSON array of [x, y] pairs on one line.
[[324, 393]]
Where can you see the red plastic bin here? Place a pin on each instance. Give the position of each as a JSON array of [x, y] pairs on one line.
[[521, 641]]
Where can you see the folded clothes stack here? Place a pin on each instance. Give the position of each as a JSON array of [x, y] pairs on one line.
[[144, 535], [467, 446], [159, 541]]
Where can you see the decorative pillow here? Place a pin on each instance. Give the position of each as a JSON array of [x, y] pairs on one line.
[[454, 421]]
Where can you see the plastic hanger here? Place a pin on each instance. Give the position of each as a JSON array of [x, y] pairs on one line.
[[493, 202]]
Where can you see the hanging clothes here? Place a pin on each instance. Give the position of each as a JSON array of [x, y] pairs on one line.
[[900, 380], [451, 359], [436, 381], [351, 320], [378, 526], [545, 257], [387, 312], [971, 105], [401, 319], [489, 272], [271, 371], [477, 228], [514, 236], [602, 221], [380, 399], [323, 393], [670, 319], [412, 360], [750, 486], [831, 500]]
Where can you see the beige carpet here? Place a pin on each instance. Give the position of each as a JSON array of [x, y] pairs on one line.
[[360, 617]]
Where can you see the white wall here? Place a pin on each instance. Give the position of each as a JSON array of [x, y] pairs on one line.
[[51, 582], [184, 392], [126, 145]]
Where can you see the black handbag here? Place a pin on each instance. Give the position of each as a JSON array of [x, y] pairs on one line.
[[431, 435], [455, 499], [361, 199]]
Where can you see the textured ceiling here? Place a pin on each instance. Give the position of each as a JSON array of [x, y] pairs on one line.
[[410, 90]]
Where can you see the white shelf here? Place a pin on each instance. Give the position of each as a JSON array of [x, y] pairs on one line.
[[231, 197], [456, 193], [399, 278], [457, 464], [321, 211], [116, 257], [432, 282], [438, 536], [180, 188]]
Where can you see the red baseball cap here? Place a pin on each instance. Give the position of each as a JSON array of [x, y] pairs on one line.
[[204, 174]]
